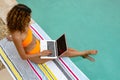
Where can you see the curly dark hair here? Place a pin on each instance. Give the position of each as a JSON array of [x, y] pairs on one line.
[[18, 18]]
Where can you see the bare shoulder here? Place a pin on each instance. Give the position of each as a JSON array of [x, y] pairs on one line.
[[16, 35]]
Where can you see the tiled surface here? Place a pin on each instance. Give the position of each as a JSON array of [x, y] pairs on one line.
[[4, 75], [5, 5]]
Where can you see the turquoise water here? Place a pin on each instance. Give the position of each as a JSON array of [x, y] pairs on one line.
[[88, 24]]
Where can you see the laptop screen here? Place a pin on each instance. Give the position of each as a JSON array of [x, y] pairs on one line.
[[61, 45]]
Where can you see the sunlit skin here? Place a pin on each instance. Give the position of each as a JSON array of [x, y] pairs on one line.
[[18, 32]]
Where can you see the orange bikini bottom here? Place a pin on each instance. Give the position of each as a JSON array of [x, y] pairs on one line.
[[36, 49]]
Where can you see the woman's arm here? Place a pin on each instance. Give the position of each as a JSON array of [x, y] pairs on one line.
[[18, 43]]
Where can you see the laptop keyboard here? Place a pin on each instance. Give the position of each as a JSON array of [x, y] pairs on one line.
[[51, 47]]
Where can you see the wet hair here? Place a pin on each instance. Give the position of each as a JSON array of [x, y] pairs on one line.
[[18, 18]]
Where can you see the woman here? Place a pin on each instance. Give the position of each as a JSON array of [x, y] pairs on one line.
[[28, 46]]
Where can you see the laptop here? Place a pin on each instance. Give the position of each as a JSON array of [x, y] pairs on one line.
[[56, 46]]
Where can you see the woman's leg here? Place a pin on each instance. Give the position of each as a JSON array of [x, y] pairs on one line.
[[38, 60], [69, 53], [73, 53]]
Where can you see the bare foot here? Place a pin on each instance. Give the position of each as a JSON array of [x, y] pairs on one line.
[[89, 52]]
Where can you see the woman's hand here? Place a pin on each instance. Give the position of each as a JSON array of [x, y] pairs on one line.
[[45, 53], [9, 37]]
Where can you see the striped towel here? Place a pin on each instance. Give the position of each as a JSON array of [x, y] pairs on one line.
[[59, 69]]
